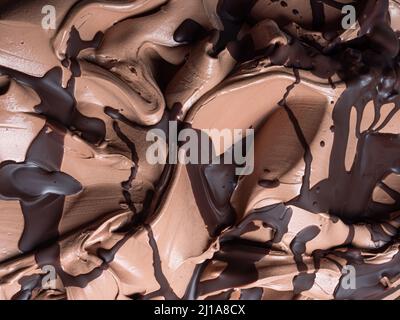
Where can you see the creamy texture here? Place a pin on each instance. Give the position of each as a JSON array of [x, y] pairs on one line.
[[76, 190]]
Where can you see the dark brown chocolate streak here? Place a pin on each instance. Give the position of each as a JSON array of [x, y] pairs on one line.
[[40, 187], [318, 14], [240, 258], [381, 77], [28, 284], [57, 103], [251, 294], [305, 186], [165, 288], [303, 281], [74, 47], [232, 15], [93, 131], [318, 11], [377, 156], [191, 292], [371, 75], [212, 186], [50, 255], [276, 217], [239, 254], [127, 185], [375, 14], [225, 295], [43, 214]]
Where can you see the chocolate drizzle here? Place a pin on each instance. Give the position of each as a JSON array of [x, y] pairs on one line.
[[165, 288], [43, 190], [239, 254], [303, 281], [212, 186], [59, 104], [368, 280], [40, 187]]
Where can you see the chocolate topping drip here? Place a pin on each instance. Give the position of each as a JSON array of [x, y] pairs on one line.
[[58, 103], [40, 187]]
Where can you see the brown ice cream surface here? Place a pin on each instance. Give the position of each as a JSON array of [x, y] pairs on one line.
[[78, 193]]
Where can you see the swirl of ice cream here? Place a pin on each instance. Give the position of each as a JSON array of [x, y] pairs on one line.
[[78, 195]]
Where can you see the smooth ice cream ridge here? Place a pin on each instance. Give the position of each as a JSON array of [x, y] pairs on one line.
[[78, 196]]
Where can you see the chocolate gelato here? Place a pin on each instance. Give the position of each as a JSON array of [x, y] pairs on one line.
[[84, 214]]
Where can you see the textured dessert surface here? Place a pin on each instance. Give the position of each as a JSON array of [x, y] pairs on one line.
[[316, 218]]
